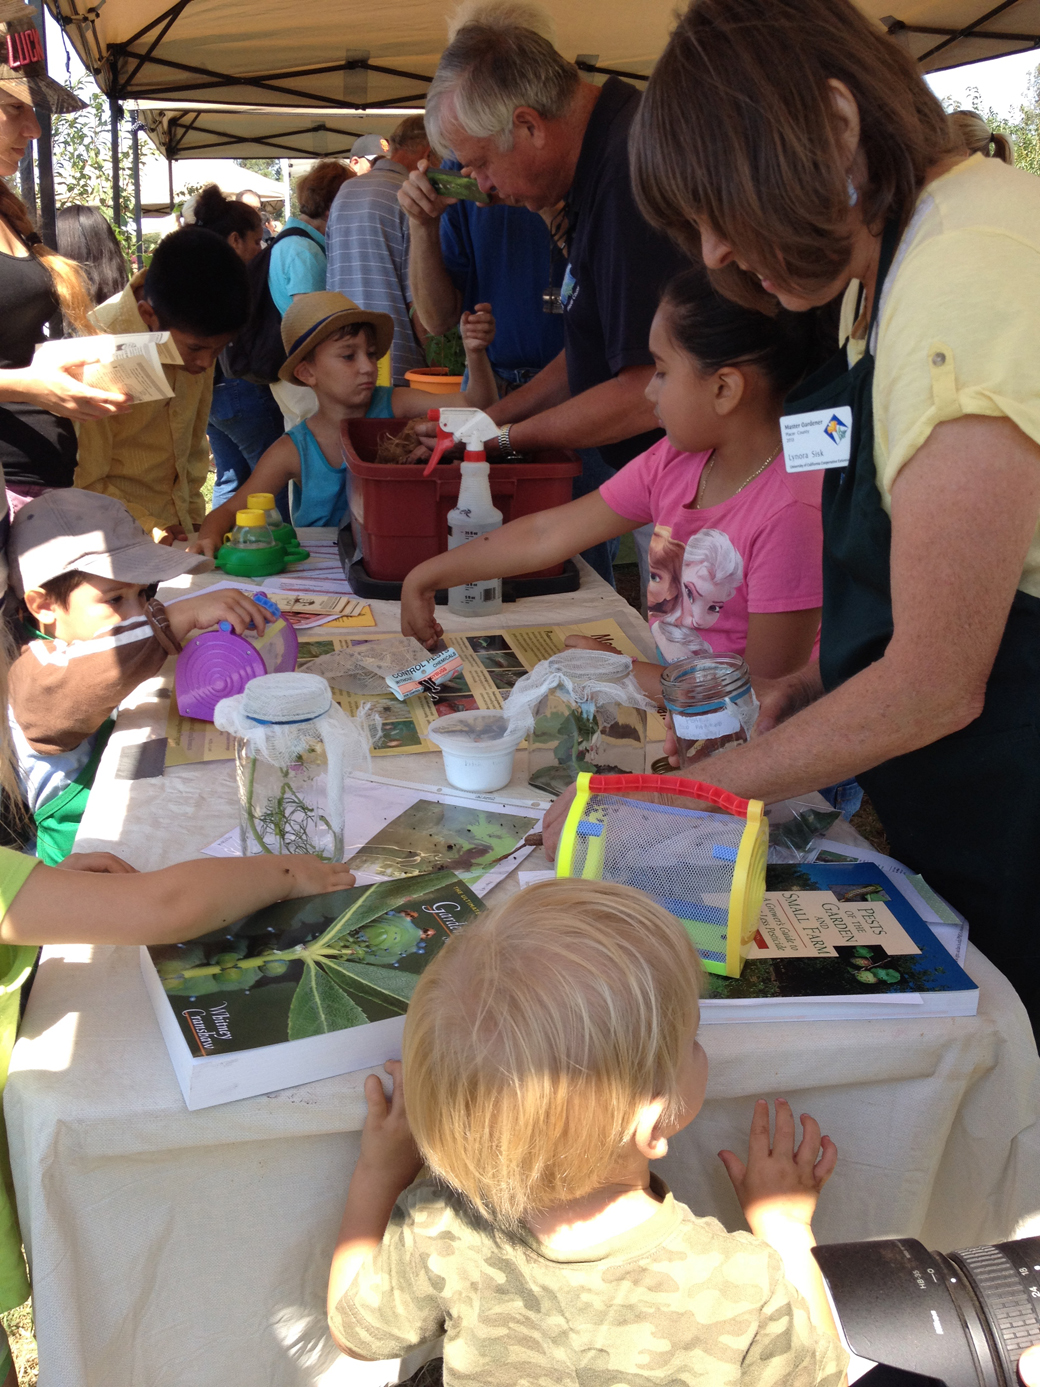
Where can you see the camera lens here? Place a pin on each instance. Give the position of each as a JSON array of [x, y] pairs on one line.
[[1006, 1282], [963, 1319]]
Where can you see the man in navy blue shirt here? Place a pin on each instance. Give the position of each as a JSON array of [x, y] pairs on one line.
[[520, 118], [463, 254]]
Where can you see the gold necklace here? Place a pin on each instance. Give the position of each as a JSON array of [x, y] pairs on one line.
[[746, 482]]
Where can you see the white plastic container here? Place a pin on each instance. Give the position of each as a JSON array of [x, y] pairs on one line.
[[478, 748], [473, 516]]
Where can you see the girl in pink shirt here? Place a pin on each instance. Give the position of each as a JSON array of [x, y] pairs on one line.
[[735, 560]]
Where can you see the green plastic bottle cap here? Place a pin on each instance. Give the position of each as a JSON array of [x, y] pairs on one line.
[[261, 500], [249, 519]]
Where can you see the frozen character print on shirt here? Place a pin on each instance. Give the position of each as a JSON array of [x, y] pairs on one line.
[[664, 588], [709, 573]]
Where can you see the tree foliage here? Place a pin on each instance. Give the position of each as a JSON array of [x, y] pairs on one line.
[[269, 168], [83, 159], [1022, 127]]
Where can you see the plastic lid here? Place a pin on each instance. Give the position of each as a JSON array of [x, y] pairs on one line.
[[284, 698], [480, 732], [249, 519], [261, 500]]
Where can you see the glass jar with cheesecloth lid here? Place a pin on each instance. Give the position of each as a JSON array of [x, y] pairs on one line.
[[294, 748], [711, 702], [581, 710]]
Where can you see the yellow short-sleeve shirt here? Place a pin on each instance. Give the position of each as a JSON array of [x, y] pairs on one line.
[[959, 326]]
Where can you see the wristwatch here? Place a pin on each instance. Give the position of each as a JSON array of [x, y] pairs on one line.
[[505, 447]]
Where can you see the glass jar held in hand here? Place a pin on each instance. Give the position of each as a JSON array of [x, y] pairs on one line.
[[711, 704]]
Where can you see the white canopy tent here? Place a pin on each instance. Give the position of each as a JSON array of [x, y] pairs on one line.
[[351, 55], [163, 184], [249, 132], [347, 55]]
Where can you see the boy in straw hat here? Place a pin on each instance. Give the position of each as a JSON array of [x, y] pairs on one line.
[[335, 347]]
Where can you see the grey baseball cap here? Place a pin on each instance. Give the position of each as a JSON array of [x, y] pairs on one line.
[[67, 530], [369, 147]]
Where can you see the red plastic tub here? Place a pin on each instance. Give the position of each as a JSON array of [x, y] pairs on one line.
[[400, 518]]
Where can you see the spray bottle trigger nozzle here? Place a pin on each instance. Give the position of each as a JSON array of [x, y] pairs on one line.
[[444, 442]]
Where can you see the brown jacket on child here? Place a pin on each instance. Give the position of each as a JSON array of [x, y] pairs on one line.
[[60, 693]]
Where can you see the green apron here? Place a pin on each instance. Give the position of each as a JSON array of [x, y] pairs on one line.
[[964, 811], [58, 820]]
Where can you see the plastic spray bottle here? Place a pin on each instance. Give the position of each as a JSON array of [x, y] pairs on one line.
[[475, 514]]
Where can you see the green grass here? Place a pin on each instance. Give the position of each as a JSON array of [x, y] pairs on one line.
[[22, 1336]]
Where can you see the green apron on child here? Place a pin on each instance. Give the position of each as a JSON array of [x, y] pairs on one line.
[[965, 810], [58, 820]]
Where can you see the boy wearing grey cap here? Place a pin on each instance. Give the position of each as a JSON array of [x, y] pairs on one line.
[[90, 630]]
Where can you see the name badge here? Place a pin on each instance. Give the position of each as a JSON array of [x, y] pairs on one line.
[[815, 441]]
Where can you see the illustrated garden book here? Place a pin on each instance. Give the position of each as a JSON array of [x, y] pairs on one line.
[[301, 990], [841, 942]]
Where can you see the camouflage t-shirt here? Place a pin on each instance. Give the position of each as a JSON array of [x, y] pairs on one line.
[[675, 1300]]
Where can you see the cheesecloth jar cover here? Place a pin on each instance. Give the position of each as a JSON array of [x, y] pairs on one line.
[[582, 711], [294, 748]]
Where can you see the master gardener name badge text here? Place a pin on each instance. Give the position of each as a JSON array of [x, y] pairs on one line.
[[816, 440]]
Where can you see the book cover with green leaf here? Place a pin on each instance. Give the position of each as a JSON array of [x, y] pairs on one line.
[[300, 973]]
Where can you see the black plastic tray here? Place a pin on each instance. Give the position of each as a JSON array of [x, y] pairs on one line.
[[512, 588]]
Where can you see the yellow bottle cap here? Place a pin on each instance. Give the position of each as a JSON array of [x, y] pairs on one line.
[[261, 500], [250, 518]]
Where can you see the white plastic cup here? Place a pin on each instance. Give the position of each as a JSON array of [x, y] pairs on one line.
[[478, 748]]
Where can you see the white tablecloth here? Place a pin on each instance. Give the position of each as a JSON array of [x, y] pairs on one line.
[[177, 1249]]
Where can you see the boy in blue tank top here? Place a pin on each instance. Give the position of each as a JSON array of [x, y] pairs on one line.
[[335, 347]]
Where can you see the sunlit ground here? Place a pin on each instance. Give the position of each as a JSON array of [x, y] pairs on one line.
[[19, 1326]]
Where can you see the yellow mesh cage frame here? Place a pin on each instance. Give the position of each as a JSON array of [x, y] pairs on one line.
[[749, 870]]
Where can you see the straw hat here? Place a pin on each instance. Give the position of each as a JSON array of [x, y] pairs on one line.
[[23, 70], [313, 317]]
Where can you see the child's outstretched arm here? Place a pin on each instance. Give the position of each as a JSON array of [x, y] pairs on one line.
[[276, 468], [88, 906], [388, 1164], [523, 546], [647, 675], [778, 1190], [478, 332]]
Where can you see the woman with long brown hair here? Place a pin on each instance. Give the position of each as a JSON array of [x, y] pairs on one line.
[[795, 149], [37, 402]]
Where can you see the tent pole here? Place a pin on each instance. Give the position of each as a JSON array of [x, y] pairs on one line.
[[286, 191], [113, 107], [45, 170], [136, 131]]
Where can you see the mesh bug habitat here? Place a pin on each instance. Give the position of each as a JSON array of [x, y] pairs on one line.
[[708, 869]]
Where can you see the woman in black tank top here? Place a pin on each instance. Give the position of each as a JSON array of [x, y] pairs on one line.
[[37, 404]]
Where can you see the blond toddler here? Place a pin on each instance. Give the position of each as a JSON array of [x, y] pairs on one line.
[[550, 1053]]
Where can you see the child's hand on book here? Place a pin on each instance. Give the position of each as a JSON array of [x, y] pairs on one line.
[[478, 328], [387, 1144], [780, 1184], [312, 877]]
